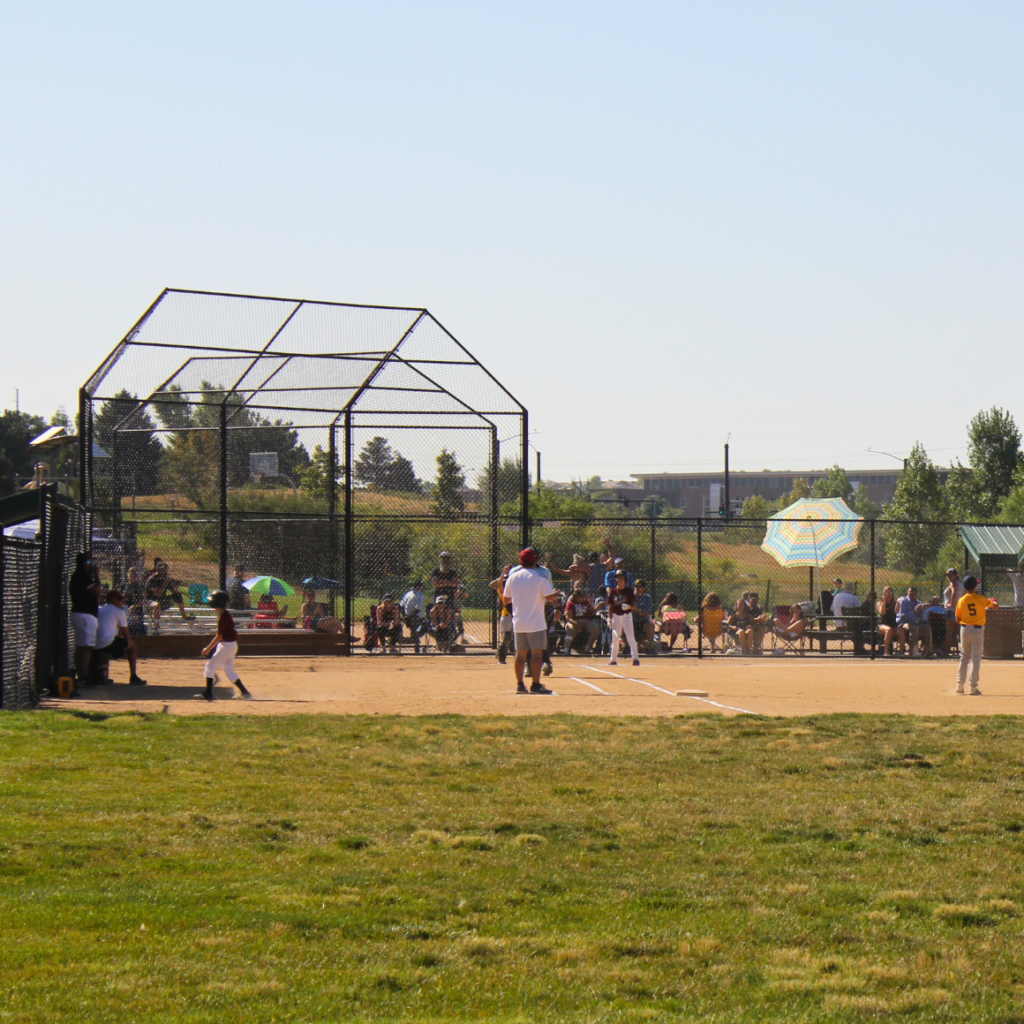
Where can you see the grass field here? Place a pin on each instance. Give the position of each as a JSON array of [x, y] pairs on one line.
[[330, 868]]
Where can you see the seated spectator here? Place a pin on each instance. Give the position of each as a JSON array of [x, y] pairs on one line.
[[162, 591], [315, 616], [442, 624], [711, 620], [740, 628], [135, 603], [887, 625], [582, 629], [792, 628], [841, 601], [858, 621], [936, 614], [759, 620], [643, 617], [238, 596], [114, 640], [912, 619], [389, 624], [670, 621], [554, 616], [414, 612], [84, 590]]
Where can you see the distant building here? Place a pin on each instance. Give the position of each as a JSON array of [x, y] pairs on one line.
[[696, 494]]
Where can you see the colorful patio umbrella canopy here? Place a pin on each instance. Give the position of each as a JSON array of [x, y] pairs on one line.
[[268, 585], [812, 531]]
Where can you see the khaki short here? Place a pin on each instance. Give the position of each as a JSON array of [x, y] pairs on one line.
[[532, 641]]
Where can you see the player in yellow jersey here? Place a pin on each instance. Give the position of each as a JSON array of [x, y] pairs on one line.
[[971, 611]]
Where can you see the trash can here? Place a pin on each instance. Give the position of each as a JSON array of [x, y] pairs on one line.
[[1002, 633]]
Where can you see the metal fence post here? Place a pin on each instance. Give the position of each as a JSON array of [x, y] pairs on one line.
[[874, 601], [700, 588], [653, 588], [332, 517], [524, 483], [349, 534], [223, 495], [494, 570]]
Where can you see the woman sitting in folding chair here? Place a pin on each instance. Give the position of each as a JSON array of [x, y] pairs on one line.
[[711, 619], [790, 628]]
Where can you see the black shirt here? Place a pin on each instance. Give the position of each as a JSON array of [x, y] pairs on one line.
[[83, 600], [446, 583]]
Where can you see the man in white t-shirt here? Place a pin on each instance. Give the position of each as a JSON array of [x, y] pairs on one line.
[[1017, 581], [527, 590], [841, 600], [113, 638]]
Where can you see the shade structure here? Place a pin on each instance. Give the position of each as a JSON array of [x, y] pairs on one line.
[[812, 531], [260, 585]]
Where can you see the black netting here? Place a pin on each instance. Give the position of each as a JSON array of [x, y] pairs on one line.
[[19, 590]]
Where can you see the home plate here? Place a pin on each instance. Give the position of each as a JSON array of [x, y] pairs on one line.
[[691, 693]]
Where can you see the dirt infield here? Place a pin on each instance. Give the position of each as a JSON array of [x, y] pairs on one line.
[[411, 685]]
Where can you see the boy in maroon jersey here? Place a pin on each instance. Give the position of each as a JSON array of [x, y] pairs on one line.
[[621, 605], [221, 650]]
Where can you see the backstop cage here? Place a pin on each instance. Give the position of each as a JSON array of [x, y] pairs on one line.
[[336, 447]]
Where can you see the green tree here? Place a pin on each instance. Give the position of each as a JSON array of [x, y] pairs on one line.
[[863, 505], [447, 493], [380, 468], [195, 435], [993, 451], [962, 495], [919, 496], [16, 459], [756, 507], [373, 463], [509, 481], [137, 449], [835, 485], [801, 489], [316, 477]]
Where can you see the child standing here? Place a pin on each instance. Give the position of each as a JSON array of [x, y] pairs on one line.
[[971, 611], [221, 650], [621, 604]]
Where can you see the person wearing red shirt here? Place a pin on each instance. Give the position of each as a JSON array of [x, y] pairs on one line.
[[221, 650], [581, 626], [621, 605]]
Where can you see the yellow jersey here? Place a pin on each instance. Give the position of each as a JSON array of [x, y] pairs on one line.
[[971, 609]]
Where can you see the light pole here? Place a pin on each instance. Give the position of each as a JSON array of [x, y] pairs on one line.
[[874, 451]]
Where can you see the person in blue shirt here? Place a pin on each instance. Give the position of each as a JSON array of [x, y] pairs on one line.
[[643, 617], [611, 576], [912, 617]]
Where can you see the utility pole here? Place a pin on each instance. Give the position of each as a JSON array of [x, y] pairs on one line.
[[728, 507], [538, 472]]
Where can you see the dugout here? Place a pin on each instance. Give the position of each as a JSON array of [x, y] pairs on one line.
[[304, 440], [993, 547], [42, 531]]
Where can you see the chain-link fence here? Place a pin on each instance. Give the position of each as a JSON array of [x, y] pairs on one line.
[[341, 449], [35, 630]]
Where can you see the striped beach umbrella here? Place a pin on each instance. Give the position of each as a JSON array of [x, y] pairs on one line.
[[812, 531]]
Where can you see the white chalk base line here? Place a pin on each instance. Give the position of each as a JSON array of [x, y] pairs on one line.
[[671, 693]]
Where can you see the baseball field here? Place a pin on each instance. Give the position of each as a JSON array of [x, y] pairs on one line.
[[403, 839]]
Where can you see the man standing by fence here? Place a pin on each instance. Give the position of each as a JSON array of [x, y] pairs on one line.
[[528, 590]]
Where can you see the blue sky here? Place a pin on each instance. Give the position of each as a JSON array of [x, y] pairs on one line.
[[658, 224]]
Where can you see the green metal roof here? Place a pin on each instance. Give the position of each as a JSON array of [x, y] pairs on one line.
[[1001, 541]]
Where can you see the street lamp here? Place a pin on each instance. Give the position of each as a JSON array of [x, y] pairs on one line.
[[874, 451]]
